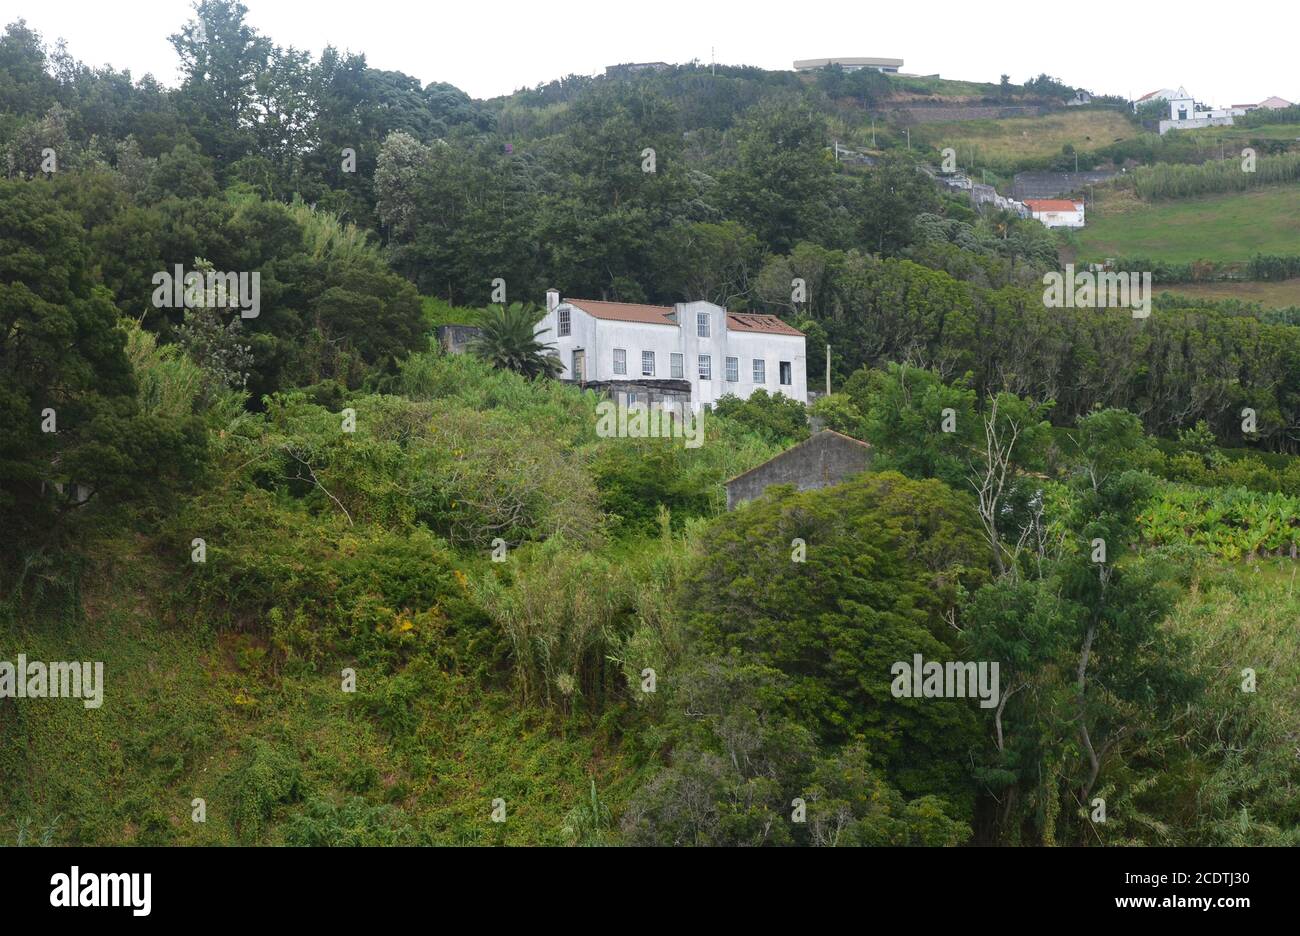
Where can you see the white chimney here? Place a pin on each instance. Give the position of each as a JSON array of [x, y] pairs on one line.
[[552, 299]]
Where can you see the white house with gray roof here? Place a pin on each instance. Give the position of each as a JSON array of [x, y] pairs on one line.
[[694, 351]]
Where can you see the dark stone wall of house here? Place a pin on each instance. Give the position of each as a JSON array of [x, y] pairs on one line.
[[455, 339], [823, 460], [653, 392], [1055, 184]]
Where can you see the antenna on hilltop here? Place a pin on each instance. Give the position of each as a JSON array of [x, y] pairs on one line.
[[713, 61]]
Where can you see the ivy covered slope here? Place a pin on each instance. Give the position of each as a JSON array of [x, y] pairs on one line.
[[369, 551]]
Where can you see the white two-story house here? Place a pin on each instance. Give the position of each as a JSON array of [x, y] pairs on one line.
[[694, 352]]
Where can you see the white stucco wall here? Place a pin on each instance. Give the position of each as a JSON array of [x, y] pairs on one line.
[[1052, 219], [1196, 124], [1185, 105]]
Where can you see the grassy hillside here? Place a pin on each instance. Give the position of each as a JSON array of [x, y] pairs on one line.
[[1227, 228], [905, 86], [1288, 132], [346, 589], [224, 680], [1279, 295], [279, 756], [1236, 617], [1006, 143]]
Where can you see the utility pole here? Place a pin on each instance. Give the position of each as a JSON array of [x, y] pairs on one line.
[[873, 133], [713, 61], [828, 370], [909, 137]]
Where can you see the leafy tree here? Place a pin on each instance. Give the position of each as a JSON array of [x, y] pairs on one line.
[[890, 198], [920, 425], [716, 262], [837, 411], [782, 180], [1089, 670], [738, 756], [774, 417], [26, 86], [887, 561], [71, 434]]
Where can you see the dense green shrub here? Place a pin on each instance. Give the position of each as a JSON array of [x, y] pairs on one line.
[[354, 823], [266, 778], [887, 561], [775, 418]]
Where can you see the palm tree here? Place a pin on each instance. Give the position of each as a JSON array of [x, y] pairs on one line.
[[508, 339]]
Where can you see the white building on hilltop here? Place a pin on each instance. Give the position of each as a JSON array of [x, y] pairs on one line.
[[889, 66], [694, 352], [1183, 114]]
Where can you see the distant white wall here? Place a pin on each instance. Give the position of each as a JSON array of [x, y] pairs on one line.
[[1054, 219], [1195, 123]]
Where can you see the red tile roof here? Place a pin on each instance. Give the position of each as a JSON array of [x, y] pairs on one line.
[[769, 324], [1052, 204], [625, 311], [662, 315]]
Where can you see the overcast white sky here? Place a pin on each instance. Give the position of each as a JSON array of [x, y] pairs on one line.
[[1223, 53]]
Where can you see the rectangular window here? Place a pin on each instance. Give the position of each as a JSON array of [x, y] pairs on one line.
[[631, 399], [706, 367], [760, 371], [564, 324], [733, 369], [678, 364], [647, 363], [702, 324], [620, 361], [786, 374]]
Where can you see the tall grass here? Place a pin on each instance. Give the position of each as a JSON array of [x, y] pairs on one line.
[[1167, 180], [328, 238]]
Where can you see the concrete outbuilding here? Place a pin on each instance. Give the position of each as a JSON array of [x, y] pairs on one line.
[[823, 459]]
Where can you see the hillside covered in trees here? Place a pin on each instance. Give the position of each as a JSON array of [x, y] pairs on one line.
[[349, 589]]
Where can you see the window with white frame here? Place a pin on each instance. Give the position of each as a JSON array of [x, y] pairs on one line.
[[620, 361], [760, 371], [564, 323], [733, 369], [786, 374], [647, 363], [706, 367], [678, 364], [702, 324]]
